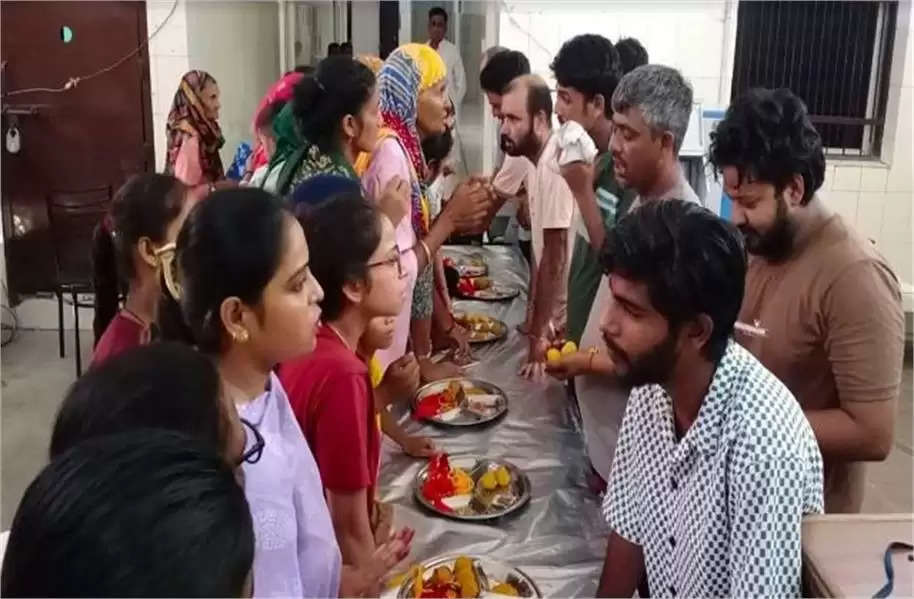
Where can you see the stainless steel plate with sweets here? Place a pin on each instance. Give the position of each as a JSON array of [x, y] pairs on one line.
[[466, 576], [471, 488], [459, 402]]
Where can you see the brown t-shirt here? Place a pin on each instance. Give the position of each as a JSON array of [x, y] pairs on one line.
[[830, 325]]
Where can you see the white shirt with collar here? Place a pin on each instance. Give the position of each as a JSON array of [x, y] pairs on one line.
[[718, 512], [456, 77]]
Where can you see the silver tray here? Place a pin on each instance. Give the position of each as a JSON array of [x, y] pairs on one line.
[[476, 466], [465, 268], [489, 336], [495, 293], [487, 571], [466, 417]]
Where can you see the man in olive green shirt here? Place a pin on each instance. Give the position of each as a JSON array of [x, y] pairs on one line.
[[587, 69]]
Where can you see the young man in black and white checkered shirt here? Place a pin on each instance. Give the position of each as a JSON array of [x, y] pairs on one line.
[[715, 464]]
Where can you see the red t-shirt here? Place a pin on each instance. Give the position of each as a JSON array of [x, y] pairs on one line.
[[124, 332], [330, 393]]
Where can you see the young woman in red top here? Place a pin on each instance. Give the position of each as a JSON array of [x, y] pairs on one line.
[[146, 215], [355, 259]]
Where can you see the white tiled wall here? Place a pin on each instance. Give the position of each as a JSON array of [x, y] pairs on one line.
[[690, 35], [878, 196], [236, 42], [168, 61]]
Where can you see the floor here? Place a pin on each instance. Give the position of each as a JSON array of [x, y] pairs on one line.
[[34, 379]]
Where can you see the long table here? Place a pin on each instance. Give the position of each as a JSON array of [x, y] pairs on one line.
[[559, 538]]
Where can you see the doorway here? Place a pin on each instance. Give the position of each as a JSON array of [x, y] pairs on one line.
[[94, 134]]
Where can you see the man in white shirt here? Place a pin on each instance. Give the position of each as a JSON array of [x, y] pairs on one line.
[[526, 130], [456, 77], [716, 464]]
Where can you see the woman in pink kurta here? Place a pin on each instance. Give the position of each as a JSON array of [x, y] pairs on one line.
[[388, 161]]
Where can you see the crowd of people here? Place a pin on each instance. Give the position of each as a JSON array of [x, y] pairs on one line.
[[731, 377]]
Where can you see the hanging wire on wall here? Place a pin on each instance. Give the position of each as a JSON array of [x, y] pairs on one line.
[[72, 82]]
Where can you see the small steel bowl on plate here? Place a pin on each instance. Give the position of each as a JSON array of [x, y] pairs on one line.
[[487, 570], [464, 416], [483, 505]]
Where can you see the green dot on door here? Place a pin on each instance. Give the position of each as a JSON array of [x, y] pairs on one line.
[[66, 34]]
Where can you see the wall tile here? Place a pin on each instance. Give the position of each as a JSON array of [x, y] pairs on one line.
[[870, 207], [844, 203], [847, 178], [896, 219], [874, 179]]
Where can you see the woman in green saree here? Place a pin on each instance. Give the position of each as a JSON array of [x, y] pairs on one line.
[[333, 116]]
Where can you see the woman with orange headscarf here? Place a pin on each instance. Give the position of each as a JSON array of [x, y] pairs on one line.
[[411, 86]]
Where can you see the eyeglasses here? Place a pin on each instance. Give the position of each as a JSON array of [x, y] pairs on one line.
[[390, 262], [252, 455]]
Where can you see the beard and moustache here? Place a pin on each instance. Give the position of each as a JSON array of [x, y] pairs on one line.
[[526, 146], [655, 366], [775, 244]]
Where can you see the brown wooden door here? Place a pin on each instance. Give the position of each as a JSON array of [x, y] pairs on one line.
[[94, 135]]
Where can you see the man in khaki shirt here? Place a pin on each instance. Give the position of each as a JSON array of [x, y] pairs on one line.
[[822, 308]]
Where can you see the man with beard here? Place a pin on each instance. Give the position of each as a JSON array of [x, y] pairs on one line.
[[526, 130], [498, 68], [651, 107], [716, 464], [822, 309]]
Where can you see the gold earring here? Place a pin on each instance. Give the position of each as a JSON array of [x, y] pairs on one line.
[[241, 337]]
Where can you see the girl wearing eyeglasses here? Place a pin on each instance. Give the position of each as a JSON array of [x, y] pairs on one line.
[[145, 217], [355, 258], [250, 299]]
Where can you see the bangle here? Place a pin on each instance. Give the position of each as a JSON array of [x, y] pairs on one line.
[[426, 250], [592, 351]]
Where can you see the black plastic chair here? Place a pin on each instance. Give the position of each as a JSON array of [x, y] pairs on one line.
[[73, 217]]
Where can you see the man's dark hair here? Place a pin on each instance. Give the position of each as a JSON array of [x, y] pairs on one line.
[[768, 136], [333, 48], [501, 69], [692, 262], [164, 386], [539, 98], [149, 513], [340, 86], [590, 64], [631, 54], [228, 247], [437, 11], [346, 48], [343, 233]]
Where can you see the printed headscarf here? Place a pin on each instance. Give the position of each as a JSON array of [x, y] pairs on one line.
[[188, 117], [407, 72]]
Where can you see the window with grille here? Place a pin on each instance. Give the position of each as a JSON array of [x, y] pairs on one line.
[[835, 55]]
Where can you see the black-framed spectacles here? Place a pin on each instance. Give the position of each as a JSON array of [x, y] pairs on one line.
[[395, 260], [252, 455]]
